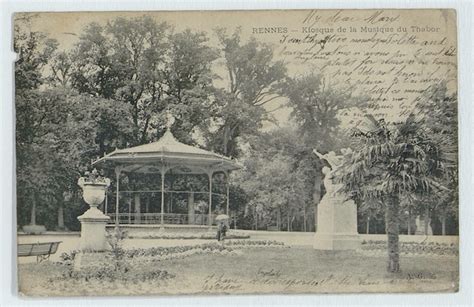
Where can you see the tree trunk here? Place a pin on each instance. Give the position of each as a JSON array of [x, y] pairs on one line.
[[256, 219], [368, 225], [311, 222], [61, 216], [409, 223], [278, 219], [225, 140], [443, 224], [288, 222], [392, 229], [304, 218], [33, 211], [316, 197], [426, 220]]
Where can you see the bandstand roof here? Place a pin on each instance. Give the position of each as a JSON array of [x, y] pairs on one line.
[[167, 152]]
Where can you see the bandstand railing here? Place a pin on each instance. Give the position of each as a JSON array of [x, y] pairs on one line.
[[155, 218]]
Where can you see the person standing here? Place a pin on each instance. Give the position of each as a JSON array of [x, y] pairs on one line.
[[221, 231]]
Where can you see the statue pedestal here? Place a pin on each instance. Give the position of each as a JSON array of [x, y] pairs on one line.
[[93, 234], [337, 224]]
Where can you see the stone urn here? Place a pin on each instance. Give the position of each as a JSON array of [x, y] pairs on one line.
[[93, 221]]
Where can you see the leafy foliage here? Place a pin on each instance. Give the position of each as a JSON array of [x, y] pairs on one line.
[[275, 186], [140, 62], [316, 107], [34, 51], [252, 78]]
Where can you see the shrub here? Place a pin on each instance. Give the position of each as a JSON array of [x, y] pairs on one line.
[[68, 258]]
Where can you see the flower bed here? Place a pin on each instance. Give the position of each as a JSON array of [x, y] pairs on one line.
[[188, 236], [256, 243], [114, 266], [225, 248], [127, 264], [413, 248], [164, 253]]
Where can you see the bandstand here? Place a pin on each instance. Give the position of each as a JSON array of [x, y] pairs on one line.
[[163, 157]]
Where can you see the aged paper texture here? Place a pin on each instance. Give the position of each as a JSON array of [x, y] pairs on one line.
[[236, 152]]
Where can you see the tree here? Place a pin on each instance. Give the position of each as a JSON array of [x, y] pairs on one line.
[[59, 132], [53, 125], [272, 187], [388, 162], [61, 69], [370, 209], [316, 108], [39, 117], [188, 82], [34, 50], [141, 62], [251, 79], [273, 179], [123, 60]]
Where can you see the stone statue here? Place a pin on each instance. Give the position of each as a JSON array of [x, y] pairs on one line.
[[335, 162], [336, 215]]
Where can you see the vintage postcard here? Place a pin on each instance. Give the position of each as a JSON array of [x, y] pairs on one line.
[[236, 152]]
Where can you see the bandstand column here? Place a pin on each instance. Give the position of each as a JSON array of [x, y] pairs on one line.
[[162, 216], [117, 176], [209, 220], [191, 218], [227, 194], [137, 219]]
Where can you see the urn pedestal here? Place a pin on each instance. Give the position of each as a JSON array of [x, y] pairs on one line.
[[93, 221], [337, 224], [93, 234]]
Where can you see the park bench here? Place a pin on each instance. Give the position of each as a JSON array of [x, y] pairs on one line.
[[42, 251]]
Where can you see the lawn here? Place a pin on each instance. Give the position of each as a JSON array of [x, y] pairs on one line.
[[250, 270]]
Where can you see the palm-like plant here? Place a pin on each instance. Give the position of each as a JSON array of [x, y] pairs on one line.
[[387, 163]]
